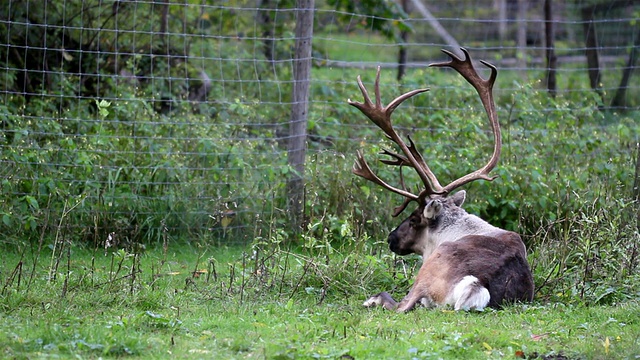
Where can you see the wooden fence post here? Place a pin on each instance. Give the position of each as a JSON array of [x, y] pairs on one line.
[[299, 110]]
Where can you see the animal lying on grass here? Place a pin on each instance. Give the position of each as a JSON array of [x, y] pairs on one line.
[[468, 263]]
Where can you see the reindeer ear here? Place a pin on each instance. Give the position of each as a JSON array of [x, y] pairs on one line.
[[458, 198]]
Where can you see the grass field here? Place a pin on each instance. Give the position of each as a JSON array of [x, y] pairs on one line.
[[195, 302]]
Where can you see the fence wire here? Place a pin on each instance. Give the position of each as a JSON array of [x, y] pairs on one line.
[[151, 119]]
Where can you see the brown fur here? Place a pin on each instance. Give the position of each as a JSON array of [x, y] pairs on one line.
[[456, 245], [498, 262]]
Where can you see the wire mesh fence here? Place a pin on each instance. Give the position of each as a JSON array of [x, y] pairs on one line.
[[155, 119]]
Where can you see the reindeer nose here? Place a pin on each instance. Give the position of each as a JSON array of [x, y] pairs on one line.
[[392, 238]]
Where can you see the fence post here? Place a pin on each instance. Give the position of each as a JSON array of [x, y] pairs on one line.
[[299, 109]]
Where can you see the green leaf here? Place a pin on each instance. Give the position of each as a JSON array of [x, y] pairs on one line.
[[33, 203]]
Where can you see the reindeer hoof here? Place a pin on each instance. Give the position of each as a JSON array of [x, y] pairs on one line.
[[381, 299], [375, 300]]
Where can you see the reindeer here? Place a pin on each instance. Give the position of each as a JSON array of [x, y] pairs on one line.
[[467, 262]]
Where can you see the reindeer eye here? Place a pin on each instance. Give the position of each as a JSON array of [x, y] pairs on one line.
[[415, 222]]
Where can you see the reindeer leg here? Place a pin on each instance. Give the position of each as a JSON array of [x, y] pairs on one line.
[[382, 299], [410, 301], [419, 292]]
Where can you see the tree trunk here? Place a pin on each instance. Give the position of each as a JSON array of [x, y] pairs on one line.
[[435, 24], [550, 47], [521, 40], [501, 6], [591, 41], [402, 53], [264, 19], [299, 110], [619, 99], [164, 25]]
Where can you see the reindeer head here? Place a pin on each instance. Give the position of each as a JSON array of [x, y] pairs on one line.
[[438, 215], [428, 224]]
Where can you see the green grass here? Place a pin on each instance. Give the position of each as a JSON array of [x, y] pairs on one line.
[[355, 47], [153, 306]]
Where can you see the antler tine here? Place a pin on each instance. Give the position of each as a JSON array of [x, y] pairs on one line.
[[399, 161], [485, 90], [381, 116], [403, 161], [435, 184], [400, 208], [362, 169]]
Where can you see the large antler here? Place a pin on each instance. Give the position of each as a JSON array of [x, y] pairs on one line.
[[381, 116], [485, 90]]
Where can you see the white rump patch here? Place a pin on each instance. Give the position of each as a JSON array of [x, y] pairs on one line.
[[468, 294]]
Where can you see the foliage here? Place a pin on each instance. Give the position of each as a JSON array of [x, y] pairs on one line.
[[383, 16], [117, 156], [147, 44], [137, 155], [137, 186], [591, 255], [141, 184]]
